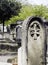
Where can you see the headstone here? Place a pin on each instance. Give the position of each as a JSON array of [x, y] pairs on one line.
[[19, 32], [33, 42]]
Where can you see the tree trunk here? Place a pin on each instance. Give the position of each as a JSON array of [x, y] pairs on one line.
[[3, 26]]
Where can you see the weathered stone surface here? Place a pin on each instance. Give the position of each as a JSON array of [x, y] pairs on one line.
[[33, 42]]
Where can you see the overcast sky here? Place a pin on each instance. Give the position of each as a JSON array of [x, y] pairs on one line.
[[37, 2], [44, 2]]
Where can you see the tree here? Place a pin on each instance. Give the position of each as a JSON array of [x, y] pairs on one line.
[[30, 10], [33, 10], [8, 9]]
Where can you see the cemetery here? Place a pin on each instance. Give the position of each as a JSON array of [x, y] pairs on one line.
[[23, 33], [9, 42], [26, 42]]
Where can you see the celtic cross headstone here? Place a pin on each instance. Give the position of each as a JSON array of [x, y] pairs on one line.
[[33, 42]]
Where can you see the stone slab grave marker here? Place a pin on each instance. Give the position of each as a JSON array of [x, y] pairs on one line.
[[33, 42]]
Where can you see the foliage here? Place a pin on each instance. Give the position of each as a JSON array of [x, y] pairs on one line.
[[30, 10], [37, 10], [8, 9]]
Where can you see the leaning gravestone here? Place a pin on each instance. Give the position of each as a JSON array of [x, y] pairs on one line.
[[33, 42]]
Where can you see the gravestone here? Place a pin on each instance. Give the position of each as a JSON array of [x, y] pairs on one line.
[[19, 33], [33, 41]]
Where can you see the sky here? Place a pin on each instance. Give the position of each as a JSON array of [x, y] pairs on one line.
[[36, 2]]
